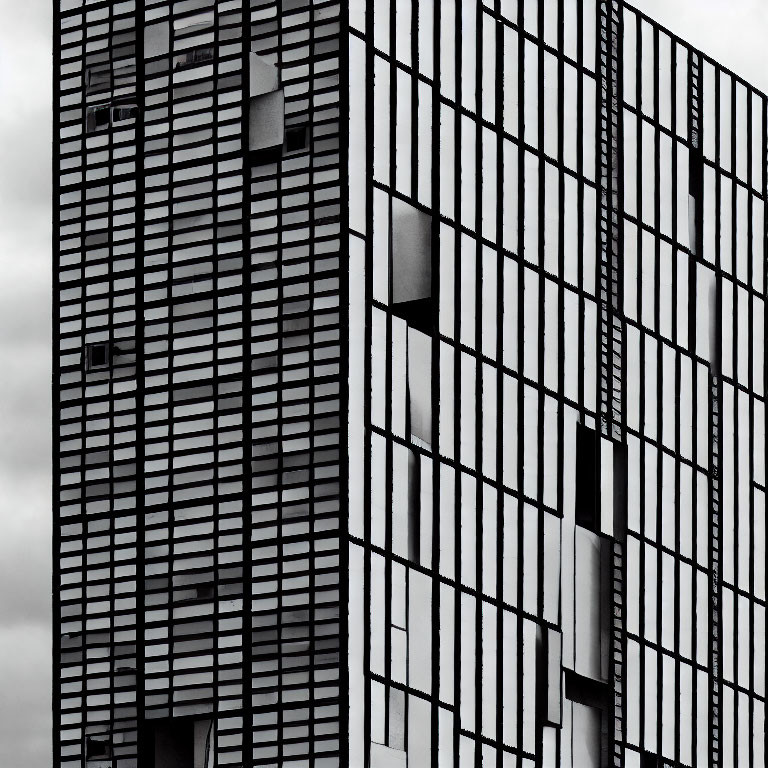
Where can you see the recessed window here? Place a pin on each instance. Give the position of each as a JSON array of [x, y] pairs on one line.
[[97, 117], [695, 196], [98, 747], [411, 237], [266, 112], [123, 112], [296, 138], [586, 478], [98, 78], [102, 115], [180, 743], [549, 675], [98, 356], [193, 58], [649, 760]]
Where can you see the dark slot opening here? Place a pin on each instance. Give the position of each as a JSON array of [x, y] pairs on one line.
[[620, 483], [296, 138], [265, 156], [177, 743], [418, 314], [695, 173], [649, 760], [101, 116], [585, 690], [586, 478], [97, 356], [97, 748]]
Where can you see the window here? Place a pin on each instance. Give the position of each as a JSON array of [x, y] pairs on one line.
[[124, 112], [589, 700], [586, 478], [266, 112], [419, 383], [411, 237], [98, 78], [98, 356], [695, 197], [649, 760], [102, 115], [549, 674], [156, 39], [193, 58], [97, 117], [296, 138], [180, 743], [98, 747]]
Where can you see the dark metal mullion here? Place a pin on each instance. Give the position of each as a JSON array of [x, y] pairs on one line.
[[455, 351], [715, 488], [738, 428], [677, 390], [764, 288], [56, 538], [520, 405], [436, 386], [367, 377], [344, 469], [751, 426], [541, 320], [478, 341], [499, 469]]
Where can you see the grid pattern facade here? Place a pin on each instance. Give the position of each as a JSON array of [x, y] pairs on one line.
[[198, 384], [557, 526], [409, 388]]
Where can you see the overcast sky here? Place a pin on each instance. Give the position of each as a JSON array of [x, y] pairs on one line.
[[731, 31]]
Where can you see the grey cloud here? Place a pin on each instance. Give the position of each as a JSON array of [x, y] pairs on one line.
[[25, 672]]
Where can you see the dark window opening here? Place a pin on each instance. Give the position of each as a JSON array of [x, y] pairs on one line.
[[179, 743], [586, 691], [124, 112], [193, 58], [97, 117], [417, 313], [649, 760], [620, 485], [98, 747], [103, 115], [695, 199], [414, 506], [98, 356], [586, 478], [296, 138]]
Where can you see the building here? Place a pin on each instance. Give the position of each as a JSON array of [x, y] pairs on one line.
[[409, 388]]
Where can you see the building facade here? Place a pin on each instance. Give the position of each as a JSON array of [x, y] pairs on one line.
[[408, 388]]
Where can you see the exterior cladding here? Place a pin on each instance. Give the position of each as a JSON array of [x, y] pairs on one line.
[[197, 501], [506, 510], [568, 569]]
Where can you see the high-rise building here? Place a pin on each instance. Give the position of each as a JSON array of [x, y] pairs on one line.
[[409, 388]]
